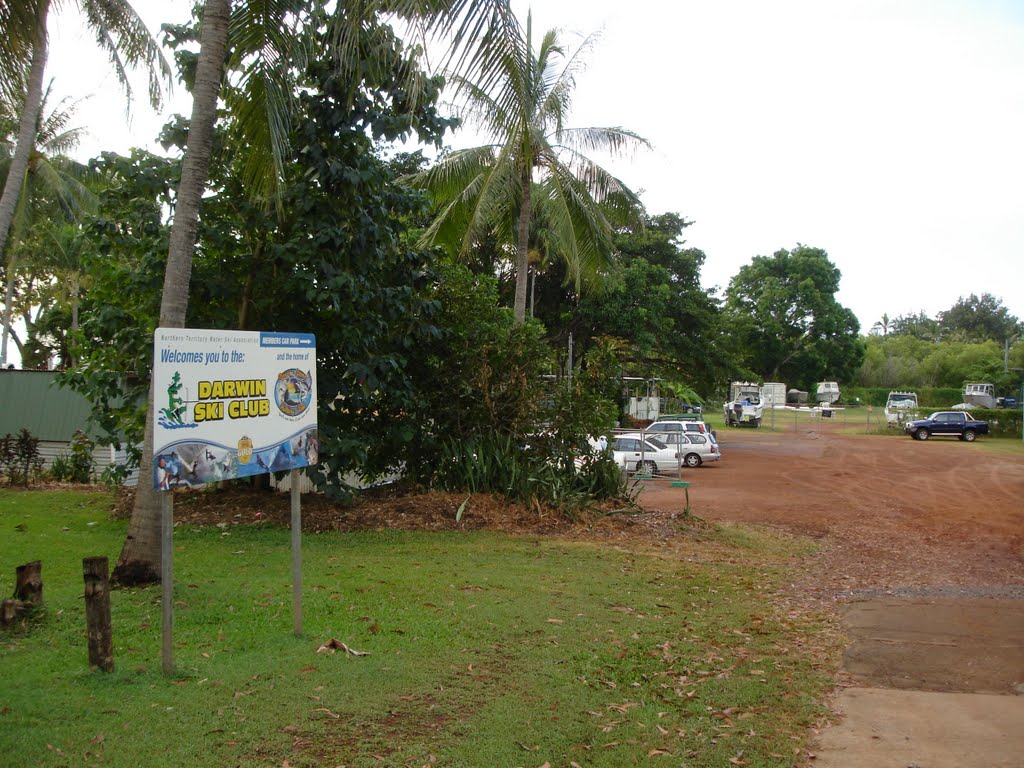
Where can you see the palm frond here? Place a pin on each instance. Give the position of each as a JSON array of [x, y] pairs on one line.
[[616, 141], [123, 36], [53, 136], [582, 230], [267, 51], [470, 189]]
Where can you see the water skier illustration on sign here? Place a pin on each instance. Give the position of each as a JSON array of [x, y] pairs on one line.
[[175, 405]]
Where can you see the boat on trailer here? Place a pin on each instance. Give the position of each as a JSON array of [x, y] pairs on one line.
[[980, 394]]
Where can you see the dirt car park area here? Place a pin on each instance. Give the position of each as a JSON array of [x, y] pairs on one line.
[[921, 554]]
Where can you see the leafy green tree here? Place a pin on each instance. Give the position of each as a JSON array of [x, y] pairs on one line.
[[979, 318], [534, 160], [666, 324], [918, 325], [263, 36], [786, 323], [124, 263]]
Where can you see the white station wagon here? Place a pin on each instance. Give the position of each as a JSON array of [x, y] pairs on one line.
[[639, 454]]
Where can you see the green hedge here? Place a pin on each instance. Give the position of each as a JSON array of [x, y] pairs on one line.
[[927, 397], [1001, 421]]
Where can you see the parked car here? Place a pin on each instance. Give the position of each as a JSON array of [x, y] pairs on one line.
[[956, 423], [647, 454], [693, 448], [693, 424]]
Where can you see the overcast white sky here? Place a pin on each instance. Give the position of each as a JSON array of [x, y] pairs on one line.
[[888, 132]]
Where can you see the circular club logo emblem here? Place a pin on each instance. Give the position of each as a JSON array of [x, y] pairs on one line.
[[293, 392]]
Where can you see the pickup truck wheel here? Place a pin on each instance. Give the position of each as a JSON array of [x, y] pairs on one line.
[[692, 460], [969, 436], [922, 434]]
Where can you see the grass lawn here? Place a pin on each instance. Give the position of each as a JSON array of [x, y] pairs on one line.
[[484, 650]]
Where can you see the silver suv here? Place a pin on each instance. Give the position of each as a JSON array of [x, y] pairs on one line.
[[683, 425]]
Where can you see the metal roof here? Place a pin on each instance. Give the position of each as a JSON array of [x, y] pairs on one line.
[[34, 401]]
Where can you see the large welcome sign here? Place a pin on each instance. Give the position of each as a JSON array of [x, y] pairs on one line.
[[230, 404]]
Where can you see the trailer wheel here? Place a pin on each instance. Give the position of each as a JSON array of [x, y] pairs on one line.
[[922, 434], [969, 436]]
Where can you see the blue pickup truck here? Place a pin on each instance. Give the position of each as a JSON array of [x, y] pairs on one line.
[[943, 423]]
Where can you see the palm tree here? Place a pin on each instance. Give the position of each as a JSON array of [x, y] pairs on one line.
[[52, 189], [118, 31], [260, 33], [882, 326], [534, 160]]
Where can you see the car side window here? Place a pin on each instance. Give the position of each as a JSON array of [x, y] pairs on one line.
[[698, 439]]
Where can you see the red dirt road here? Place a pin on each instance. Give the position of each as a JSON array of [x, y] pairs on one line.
[[891, 513], [923, 544]]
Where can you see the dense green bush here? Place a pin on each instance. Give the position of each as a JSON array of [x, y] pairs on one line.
[[1003, 422], [492, 417], [75, 466], [541, 469], [19, 457]]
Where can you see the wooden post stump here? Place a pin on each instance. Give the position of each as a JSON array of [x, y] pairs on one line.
[[95, 571], [9, 612], [28, 593], [28, 583]]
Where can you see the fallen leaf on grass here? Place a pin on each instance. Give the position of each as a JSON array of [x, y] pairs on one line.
[[328, 712], [623, 707], [554, 621], [656, 752], [333, 645]]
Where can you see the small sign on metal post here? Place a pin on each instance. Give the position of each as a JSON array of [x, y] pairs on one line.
[[230, 404]]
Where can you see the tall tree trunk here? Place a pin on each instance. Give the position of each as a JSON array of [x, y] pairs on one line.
[[523, 250], [139, 561], [22, 153]]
